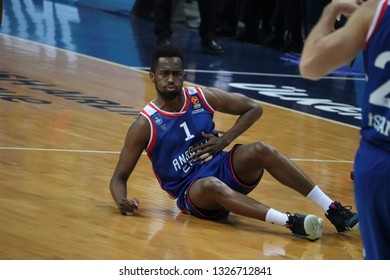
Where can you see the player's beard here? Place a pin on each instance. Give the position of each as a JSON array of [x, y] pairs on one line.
[[169, 95]]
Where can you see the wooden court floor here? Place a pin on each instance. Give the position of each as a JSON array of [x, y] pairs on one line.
[[63, 121]]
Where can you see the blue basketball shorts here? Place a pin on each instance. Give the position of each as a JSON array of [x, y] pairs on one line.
[[372, 195], [220, 167]]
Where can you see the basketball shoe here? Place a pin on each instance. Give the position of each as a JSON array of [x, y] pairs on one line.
[[342, 217], [308, 227]]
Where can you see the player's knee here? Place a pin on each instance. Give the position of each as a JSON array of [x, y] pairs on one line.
[[215, 187], [264, 149]]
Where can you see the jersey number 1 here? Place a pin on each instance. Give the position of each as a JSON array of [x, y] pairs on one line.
[[187, 131]]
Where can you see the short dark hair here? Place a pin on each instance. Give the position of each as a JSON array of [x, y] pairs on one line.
[[165, 51]]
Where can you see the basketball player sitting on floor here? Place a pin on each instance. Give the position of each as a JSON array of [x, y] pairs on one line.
[[176, 130]]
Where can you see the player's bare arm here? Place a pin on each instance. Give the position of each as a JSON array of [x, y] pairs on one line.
[[136, 140], [248, 110], [326, 49]]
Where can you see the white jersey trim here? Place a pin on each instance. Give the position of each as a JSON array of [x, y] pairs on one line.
[[375, 19], [149, 112]]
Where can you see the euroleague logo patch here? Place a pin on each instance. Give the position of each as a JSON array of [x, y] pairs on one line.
[[196, 105], [195, 100]]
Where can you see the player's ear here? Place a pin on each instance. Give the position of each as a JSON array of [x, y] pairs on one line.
[[151, 76]]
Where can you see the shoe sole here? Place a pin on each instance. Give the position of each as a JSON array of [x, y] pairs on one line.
[[313, 227], [354, 228]]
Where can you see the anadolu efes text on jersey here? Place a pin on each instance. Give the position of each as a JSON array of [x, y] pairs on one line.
[[173, 135]]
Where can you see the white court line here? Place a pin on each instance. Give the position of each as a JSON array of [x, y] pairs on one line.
[[58, 150], [322, 160], [115, 152], [260, 74], [145, 70]]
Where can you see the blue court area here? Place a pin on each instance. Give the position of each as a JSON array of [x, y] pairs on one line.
[[107, 30]]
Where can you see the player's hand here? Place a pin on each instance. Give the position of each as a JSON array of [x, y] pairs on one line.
[[346, 7], [128, 206], [208, 150]]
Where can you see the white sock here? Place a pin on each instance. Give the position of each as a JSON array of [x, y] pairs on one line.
[[275, 217], [320, 198]]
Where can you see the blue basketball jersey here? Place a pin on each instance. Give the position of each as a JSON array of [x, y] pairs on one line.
[[173, 135], [376, 102], [372, 161]]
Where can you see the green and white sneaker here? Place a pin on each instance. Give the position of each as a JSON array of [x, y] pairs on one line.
[[307, 227]]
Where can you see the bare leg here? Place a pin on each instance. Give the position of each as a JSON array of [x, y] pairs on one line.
[[212, 194], [248, 160]]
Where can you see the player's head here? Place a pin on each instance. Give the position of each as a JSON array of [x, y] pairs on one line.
[[167, 71], [165, 51]]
